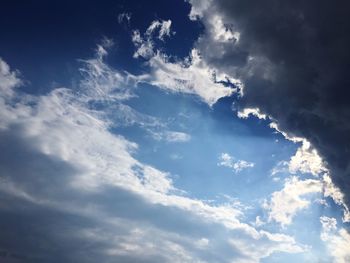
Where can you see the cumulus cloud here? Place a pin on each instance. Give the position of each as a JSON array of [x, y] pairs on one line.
[[286, 203], [307, 160], [299, 79], [236, 165], [336, 240], [69, 183]]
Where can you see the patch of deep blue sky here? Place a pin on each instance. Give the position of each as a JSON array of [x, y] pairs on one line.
[[46, 39]]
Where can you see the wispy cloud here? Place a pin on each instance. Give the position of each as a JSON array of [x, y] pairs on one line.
[[124, 18], [191, 75], [236, 165], [61, 159]]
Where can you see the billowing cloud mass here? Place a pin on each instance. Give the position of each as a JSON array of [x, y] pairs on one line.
[[293, 59]]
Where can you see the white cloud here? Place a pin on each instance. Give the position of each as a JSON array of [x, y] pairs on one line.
[[330, 190], [246, 112], [285, 204], [222, 32], [103, 83], [191, 76], [202, 243], [255, 253], [8, 79], [62, 126], [172, 136], [124, 17], [328, 223], [307, 160], [163, 27], [236, 165], [198, 8], [280, 167], [258, 222], [144, 48], [336, 241], [145, 45]]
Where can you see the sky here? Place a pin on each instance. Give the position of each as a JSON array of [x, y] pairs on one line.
[[174, 131]]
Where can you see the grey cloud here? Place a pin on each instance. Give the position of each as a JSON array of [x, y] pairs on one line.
[[294, 59]]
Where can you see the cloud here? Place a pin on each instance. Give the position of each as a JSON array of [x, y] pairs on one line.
[[172, 136], [299, 80], [254, 254], [190, 76], [246, 112], [236, 165], [311, 163], [330, 190], [163, 28], [337, 240], [145, 43], [124, 18], [72, 185], [8, 79], [307, 160], [286, 203], [144, 47]]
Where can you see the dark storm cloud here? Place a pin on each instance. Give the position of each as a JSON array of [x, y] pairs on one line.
[[294, 59]]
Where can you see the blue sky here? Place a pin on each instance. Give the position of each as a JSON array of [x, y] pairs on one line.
[[124, 139]]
